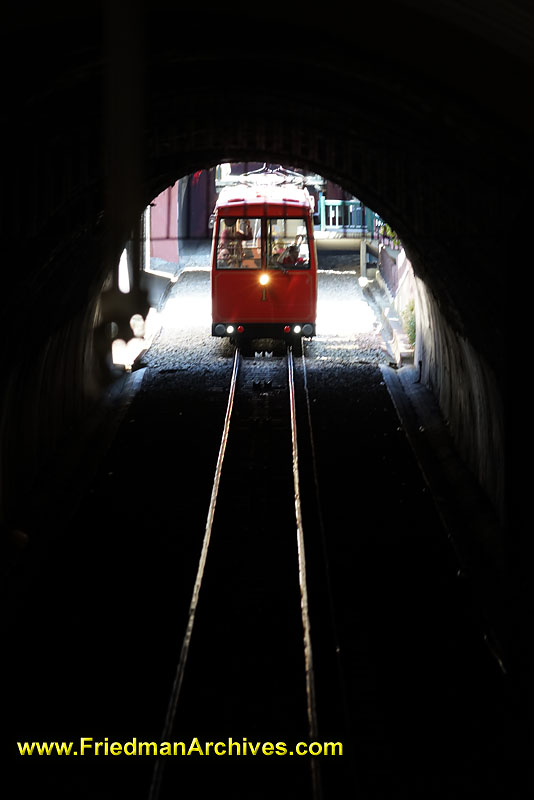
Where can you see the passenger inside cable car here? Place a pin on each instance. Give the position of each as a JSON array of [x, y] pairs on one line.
[[287, 244], [239, 246]]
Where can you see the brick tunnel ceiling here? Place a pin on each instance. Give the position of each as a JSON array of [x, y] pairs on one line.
[[415, 111]]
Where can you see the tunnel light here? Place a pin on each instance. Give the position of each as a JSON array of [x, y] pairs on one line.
[[125, 353], [137, 324], [124, 275], [264, 279]]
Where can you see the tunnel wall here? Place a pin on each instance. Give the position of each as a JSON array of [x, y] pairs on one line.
[[47, 401], [467, 392]]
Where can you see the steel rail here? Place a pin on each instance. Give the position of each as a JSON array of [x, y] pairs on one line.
[[157, 774], [313, 728]]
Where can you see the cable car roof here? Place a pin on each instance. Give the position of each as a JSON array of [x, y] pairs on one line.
[[269, 198]]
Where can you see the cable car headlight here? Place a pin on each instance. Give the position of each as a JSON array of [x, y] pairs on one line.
[[264, 279]]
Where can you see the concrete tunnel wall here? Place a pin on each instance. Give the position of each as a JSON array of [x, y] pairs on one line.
[[468, 395], [408, 119]]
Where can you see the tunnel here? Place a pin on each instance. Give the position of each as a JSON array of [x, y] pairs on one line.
[[418, 110]]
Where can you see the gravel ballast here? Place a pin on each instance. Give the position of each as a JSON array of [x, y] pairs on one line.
[[348, 331]]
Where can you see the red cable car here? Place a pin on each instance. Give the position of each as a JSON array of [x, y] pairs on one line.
[[264, 262]]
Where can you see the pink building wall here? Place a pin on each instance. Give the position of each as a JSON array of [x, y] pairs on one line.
[[164, 225]]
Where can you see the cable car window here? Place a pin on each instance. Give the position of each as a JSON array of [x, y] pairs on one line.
[[239, 243], [287, 244]]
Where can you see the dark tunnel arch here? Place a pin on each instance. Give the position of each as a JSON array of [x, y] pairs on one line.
[[427, 148], [410, 129]]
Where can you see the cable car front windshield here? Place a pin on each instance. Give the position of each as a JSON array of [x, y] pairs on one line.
[[239, 244]]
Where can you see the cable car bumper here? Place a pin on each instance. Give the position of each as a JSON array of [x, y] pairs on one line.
[[264, 330]]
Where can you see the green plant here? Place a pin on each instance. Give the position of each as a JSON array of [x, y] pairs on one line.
[[408, 321], [387, 230]]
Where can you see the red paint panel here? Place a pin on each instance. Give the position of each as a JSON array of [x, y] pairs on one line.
[[264, 209], [238, 296]]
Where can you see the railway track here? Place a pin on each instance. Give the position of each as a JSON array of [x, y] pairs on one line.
[[422, 695], [246, 663]]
